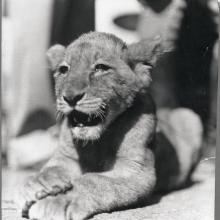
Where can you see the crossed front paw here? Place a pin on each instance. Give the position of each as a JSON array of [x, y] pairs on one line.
[[50, 182], [50, 208], [60, 207]]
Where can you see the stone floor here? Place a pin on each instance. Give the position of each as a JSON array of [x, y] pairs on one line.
[[193, 203]]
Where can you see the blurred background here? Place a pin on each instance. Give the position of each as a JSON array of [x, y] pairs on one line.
[[186, 77]]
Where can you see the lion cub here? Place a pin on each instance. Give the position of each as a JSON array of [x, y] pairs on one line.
[[106, 155]]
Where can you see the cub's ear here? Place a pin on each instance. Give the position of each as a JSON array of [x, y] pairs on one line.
[[142, 57], [55, 55], [147, 51]]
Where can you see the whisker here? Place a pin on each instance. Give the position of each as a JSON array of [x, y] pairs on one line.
[[85, 142], [101, 114], [59, 116]]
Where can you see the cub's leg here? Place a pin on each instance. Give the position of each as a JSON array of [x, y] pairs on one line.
[[56, 177], [95, 193], [179, 148], [131, 179]]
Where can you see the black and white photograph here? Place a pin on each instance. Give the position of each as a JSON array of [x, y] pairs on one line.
[[109, 109]]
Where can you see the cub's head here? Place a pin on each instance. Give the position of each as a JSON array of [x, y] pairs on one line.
[[97, 77]]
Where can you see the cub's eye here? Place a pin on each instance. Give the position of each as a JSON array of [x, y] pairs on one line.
[[146, 63], [63, 69], [102, 67]]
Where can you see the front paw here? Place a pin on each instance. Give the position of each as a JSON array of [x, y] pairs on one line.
[[76, 212], [60, 207], [50, 181], [54, 180], [50, 208]]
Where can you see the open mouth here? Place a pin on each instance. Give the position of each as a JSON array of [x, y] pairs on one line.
[[80, 119]]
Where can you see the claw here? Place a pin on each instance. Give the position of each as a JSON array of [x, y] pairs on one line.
[[25, 210], [41, 195]]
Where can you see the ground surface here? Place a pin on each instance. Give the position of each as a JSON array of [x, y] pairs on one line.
[[193, 203]]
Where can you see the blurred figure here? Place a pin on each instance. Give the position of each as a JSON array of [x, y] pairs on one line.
[[183, 78]]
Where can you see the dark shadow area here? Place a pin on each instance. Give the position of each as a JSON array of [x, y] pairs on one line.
[[157, 5], [152, 200], [156, 197], [71, 19], [193, 58], [168, 167], [39, 119], [128, 21], [166, 163], [186, 185]]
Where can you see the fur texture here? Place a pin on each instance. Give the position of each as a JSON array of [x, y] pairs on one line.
[[105, 160]]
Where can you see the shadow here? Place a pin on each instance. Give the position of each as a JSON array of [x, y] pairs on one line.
[[194, 55], [166, 163], [128, 21], [152, 200], [184, 186], [39, 119], [167, 166], [156, 197], [155, 5]]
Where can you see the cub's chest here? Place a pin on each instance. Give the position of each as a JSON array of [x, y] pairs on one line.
[[97, 158]]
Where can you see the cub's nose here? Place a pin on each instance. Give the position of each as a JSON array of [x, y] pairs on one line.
[[72, 100]]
